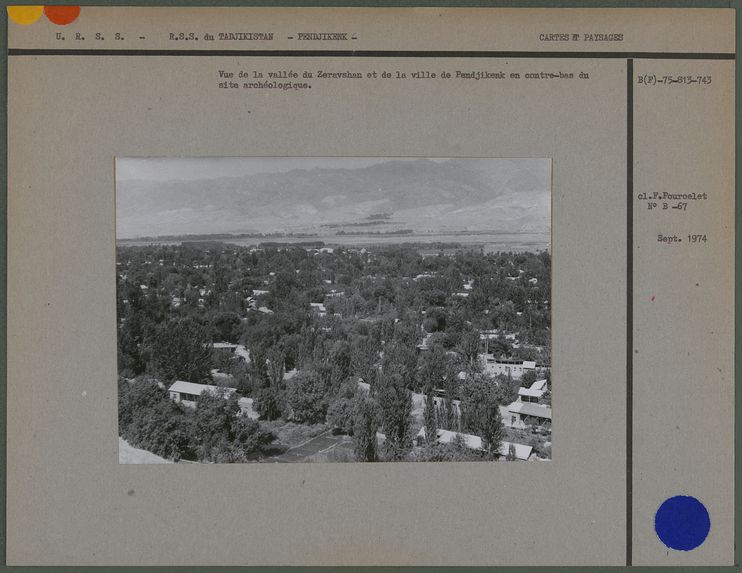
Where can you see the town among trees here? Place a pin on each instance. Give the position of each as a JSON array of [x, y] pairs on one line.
[[303, 352]]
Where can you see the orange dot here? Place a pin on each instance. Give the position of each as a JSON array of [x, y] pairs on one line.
[[24, 14], [62, 15]]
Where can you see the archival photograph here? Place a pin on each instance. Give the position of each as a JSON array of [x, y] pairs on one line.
[[333, 309]]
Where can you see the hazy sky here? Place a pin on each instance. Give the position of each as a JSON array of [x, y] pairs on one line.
[[193, 168]]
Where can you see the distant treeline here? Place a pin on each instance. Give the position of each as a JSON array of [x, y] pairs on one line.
[[396, 232], [214, 237], [303, 244]]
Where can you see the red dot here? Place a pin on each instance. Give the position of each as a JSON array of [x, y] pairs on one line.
[[62, 15]]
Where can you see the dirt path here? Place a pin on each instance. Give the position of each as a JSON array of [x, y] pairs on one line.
[[128, 454]]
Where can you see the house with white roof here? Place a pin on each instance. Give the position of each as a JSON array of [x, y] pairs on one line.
[[514, 368], [447, 436], [187, 393], [334, 292], [524, 414], [518, 451], [226, 348], [495, 333], [534, 392], [318, 308]]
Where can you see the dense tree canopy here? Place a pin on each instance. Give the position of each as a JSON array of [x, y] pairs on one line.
[[181, 350], [315, 324]]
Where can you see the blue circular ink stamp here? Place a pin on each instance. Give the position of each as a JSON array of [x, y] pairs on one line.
[[682, 522]]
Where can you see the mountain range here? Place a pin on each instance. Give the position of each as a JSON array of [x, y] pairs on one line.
[[501, 195]]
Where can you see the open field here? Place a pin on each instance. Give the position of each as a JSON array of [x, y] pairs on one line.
[[304, 452]]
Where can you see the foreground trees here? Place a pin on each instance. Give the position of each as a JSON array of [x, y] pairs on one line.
[[213, 432], [365, 422], [431, 427], [181, 350], [395, 404], [305, 395], [456, 451], [221, 434], [268, 379], [480, 413], [149, 420], [392, 319], [342, 410]]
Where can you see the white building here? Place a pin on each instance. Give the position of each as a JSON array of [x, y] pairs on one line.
[[188, 393], [224, 347], [524, 414], [318, 308], [519, 451], [514, 368], [534, 393]]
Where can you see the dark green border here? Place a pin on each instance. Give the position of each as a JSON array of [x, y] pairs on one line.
[[737, 4]]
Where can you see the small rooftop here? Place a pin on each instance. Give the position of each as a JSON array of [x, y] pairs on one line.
[[530, 392], [522, 451], [537, 389], [530, 409], [196, 389], [447, 436], [539, 385]]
